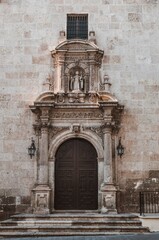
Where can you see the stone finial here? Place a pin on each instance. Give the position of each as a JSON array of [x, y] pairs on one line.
[[47, 83], [106, 83], [62, 36], [92, 37]]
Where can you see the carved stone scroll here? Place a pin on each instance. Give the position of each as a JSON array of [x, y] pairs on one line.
[[97, 130], [56, 130]]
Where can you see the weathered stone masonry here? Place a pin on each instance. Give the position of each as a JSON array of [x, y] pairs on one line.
[[127, 32]]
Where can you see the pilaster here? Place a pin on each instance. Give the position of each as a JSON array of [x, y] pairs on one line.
[[41, 192], [108, 187]]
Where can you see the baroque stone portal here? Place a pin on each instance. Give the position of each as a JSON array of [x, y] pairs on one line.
[[77, 108]]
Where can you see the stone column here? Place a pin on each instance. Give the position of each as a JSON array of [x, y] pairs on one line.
[[41, 192], [108, 170], [52, 180], [108, 188], [43, 161], [92, 76], [59, 66]]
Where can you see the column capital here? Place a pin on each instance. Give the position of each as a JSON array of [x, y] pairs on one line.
[[44, 118], [44, 129], [107, 127]]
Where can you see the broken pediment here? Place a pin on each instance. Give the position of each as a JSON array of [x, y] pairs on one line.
[[71, 98], [107, 97], [76, 45], [45, 96]]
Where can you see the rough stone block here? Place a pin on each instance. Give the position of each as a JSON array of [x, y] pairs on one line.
[[134, 17]]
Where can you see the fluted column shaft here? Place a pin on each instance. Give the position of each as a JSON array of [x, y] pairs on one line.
[[43, 161], [108, 169]]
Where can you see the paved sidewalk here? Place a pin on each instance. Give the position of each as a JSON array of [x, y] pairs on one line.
[[147, 236]]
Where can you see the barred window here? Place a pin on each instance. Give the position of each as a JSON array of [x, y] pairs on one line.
[[77, 26]]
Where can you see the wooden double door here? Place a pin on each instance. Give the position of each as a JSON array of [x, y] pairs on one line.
[[76, 176]]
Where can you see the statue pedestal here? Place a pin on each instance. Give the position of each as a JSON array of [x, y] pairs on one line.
[[108, 198], [41, 199], [76, 96]]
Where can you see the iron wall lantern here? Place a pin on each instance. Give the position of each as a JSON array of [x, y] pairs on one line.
[[32, 148], [120, 148]]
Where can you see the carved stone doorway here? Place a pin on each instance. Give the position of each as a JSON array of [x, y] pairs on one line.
[[76, 176]]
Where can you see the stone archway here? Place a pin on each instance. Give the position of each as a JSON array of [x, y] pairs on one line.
[[76, 176], [87, 137]]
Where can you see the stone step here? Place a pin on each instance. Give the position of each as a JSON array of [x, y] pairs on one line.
[[71, 223], [50, 234], [69, 229], [75, 217]]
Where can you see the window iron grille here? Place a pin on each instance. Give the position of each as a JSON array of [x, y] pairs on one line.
[[77, 26], [149, 202]]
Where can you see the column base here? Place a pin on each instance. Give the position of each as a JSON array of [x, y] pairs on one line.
[[41, 199], [108, 198]]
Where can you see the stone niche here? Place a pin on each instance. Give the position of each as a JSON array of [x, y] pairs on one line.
[[78, 106], [76, 74]]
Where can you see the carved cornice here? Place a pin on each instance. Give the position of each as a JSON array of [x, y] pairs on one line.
[[49, 100], [106, 104], [40, 106]]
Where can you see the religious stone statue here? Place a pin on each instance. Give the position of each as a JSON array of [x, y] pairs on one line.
[[76, 82]]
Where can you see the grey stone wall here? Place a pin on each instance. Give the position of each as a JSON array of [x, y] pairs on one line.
[[128, 32]]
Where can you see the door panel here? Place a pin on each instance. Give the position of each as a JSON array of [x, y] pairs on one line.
[[76, 180]]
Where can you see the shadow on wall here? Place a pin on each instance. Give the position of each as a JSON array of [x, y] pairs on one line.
[[10, 205], [128, 199]]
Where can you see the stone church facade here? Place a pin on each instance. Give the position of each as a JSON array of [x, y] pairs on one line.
[[75, 100]]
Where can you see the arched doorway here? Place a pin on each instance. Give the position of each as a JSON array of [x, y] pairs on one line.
[[76, 176]]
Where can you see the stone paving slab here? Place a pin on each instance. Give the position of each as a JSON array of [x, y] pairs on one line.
[[150, 236]]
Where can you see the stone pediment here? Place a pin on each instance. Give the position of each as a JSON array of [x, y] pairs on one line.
[[90, 98], [106, 97], [76, 45], [45, 96]]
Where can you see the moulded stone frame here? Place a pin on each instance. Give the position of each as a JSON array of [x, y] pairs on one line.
[[91, 137]]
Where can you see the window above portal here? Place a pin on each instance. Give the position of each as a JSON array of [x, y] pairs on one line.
[[77, 26]]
